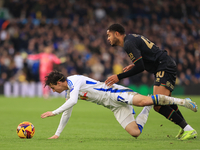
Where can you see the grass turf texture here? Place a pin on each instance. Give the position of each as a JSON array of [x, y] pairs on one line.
[[91, 127]]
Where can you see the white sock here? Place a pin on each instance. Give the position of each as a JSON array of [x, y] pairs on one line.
[[188, 128], [143, 116], [166, 100]]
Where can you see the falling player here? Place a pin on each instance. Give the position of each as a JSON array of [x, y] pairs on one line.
[[117, 98]]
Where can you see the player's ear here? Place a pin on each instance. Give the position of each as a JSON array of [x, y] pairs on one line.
[[117, 34]]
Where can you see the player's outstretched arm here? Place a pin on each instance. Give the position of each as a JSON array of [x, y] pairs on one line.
[[54, 137], [47, 114]]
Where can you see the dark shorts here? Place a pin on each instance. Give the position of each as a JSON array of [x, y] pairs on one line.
[[163, 78], [167, 75]]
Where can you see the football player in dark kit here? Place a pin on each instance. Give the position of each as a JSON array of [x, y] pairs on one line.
[[145, 55]]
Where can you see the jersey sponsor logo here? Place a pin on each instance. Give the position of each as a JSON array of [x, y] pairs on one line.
[[168, 84], [84, 96], [131, 56], [114, 90], [157, 79]]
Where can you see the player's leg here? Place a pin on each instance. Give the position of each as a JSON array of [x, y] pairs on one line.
[[140, 100], [135, 128], [165, 81], [188, 132], [181, 131], [167, 111], [163, 90], [164, 84], [124, 114], [171, 114], [175, 107], [159, 99]]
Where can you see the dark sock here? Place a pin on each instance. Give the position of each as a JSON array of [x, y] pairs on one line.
[[175, 107], [171, 114]]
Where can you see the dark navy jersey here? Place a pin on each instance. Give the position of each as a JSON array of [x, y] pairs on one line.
[[139, 47]]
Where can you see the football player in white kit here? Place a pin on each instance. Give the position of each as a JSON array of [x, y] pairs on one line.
[[117, 98]]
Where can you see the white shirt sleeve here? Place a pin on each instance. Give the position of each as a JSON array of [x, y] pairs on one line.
[[70, 102], [67, 107], [63, 121]]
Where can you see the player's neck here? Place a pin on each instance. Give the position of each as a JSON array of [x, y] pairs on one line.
[[65, 85], [121, 40]]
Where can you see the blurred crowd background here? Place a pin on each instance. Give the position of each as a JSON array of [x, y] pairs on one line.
[[77, 31]]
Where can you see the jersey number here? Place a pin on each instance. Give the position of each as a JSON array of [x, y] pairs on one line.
[[121, 99], [148, 43]]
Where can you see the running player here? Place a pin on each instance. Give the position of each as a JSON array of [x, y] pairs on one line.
[[116, 98], [145, 55]]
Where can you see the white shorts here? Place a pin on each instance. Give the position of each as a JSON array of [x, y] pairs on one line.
[[125, 115], [123, 110]]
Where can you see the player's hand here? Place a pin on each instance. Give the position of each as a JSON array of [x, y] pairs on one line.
[[54, 137], [111, 80], [127, 68], [47, 114]]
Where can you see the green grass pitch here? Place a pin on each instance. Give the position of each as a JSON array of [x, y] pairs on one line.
[[91, 127]]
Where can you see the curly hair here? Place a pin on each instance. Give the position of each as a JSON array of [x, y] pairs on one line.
[[117, 27], [54, 77]]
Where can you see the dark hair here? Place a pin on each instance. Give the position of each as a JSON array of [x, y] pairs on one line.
[[117, 27], [54, 77]]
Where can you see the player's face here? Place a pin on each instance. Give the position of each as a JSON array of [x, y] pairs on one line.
[[48, 49], [112, 39], [57, 88]]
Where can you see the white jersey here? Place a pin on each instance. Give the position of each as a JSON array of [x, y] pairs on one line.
[[84, 88]]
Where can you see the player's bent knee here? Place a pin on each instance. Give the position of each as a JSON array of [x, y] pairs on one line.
[[157, 108], [135, 133], [132, 129]]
